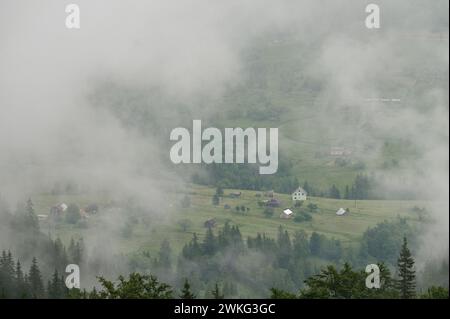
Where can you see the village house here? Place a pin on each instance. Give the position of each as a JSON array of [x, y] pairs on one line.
[[235, 195], [299, 194], [340, 151], [287, 213], [57, 210], [341, 212], [273, 202]]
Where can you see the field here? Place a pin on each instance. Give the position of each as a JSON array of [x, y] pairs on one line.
[[148, 236]]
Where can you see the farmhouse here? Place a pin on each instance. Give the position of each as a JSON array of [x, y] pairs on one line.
[[235, 195], [273, 202], [58, 209], [341, 212], [287, 213], [299, 194], [340, 151]]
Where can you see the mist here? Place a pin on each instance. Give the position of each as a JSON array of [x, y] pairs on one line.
[[179, 59]]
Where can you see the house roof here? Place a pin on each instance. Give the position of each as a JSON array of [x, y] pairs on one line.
[[341, 211], [300, 189], [288, 211]]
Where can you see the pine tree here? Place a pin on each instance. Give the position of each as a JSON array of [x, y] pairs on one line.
[[35, 280], [21, 291], [31, 218], [186, 291], [209, 243], [347, 192], [406, 284]]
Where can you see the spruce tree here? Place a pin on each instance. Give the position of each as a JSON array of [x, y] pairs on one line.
[[406, 284], [35, 280], [31, 218], [186, 291]]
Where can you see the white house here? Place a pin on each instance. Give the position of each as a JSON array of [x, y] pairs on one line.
[[341, 212], [287, 213], [299, 194]]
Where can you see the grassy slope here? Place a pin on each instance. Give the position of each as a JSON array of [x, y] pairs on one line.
[[346, 228]]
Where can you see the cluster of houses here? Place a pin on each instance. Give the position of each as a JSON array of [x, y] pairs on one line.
[[58, 210], [298, 195]]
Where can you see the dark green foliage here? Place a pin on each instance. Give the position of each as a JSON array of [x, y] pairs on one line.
[[302, 216], [281, 294], [406, 283], [383, 242], [346, 283], [435, 293], [56, 288], [137, 286], [186, 292], [35, 281], [334, 192]]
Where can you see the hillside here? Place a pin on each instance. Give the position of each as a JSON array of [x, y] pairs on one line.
[[148, 235]]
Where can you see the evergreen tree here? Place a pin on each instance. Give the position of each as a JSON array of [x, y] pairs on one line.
[[406, 284], [347, 192], [35, 280], [31, 218], [165, 255], [209, 243], [334, 192], [186, 291], [21, 291]]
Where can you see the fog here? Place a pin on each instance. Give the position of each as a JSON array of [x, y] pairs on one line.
[[190, 53]]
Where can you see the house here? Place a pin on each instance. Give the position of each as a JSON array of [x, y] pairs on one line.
[[287, 213], [210, 223], [235, 195], [341, 212], [299, 194], [273, 202], [340, 151], [58, 209], [42, 217], [226, 206]]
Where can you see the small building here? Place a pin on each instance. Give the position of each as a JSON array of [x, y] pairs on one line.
[[341, 212], [299, 194], [286, 214], [340, 151], [58, 209], [42, 217], [273, 202], [210, 223], [226, 206], [235, 195]]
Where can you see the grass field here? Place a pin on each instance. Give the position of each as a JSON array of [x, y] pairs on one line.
[[148, 237]]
